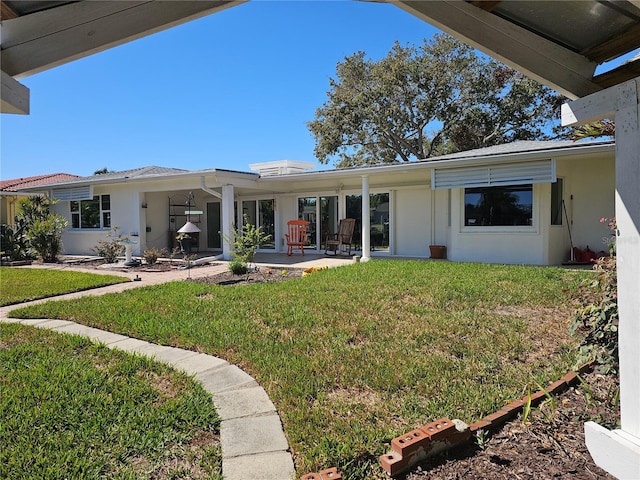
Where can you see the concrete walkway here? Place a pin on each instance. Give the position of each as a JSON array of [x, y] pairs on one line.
[[253, 443]]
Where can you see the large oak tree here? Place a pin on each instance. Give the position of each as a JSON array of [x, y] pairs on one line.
[[440, 97]]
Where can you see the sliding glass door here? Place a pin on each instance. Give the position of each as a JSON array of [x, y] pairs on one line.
[[261, 213], [322, 214]]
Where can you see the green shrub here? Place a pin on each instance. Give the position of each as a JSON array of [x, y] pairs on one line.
[[45, 237], [238, 267], [151, 255], [112, 248], [596, 318], [13, 243]]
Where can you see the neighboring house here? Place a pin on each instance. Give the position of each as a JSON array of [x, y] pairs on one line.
[[10, 192], [519, 203]]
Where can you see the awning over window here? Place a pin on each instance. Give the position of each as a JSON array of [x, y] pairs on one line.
[[540, 171], [73, 193]]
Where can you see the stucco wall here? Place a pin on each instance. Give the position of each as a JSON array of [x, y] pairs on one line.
[[125, 213], [512, 245], [589, 196], [156, 217], [412, 222]]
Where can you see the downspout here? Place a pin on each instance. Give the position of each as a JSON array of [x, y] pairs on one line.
[[209, 190]]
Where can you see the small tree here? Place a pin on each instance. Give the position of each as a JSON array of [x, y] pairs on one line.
[[245, 242], [45, 237]]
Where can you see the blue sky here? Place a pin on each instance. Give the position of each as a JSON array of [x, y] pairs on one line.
[[233, 88], [224, 91]]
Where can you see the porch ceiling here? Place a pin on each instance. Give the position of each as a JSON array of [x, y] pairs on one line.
[[558, 43]]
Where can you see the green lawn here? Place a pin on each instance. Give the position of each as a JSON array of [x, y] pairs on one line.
[[73, 409], [356, 355], [24, 284]]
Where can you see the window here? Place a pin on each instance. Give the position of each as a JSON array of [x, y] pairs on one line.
[[556, 202], [95, 213], [498, 206]]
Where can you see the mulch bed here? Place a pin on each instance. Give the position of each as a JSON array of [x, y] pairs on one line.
[[548, 445], [264, 274]]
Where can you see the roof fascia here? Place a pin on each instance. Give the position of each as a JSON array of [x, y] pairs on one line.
[[220, 177], [527, 156], [43, 40], [463, 161], [557, 67]]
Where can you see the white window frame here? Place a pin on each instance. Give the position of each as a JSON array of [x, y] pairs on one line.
[[101, 214]]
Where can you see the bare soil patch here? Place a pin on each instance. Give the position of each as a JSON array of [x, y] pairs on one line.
[[548, 445]]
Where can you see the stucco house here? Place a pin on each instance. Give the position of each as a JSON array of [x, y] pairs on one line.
[[518, 203]]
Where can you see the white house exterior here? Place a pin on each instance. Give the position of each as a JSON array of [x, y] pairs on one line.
[[520, 203]]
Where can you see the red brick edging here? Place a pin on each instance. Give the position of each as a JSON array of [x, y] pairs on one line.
[[443, 434], [436, 437]]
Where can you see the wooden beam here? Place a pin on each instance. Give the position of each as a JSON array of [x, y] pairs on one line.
[[547, 62], [13, 95], [618, 75], [43, 40], [6, 12], [486, 5], [618, 45]]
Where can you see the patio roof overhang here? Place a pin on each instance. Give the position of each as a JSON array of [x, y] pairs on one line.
[[558, 43]]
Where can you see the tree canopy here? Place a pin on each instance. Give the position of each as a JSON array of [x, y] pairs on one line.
[[417, 102]]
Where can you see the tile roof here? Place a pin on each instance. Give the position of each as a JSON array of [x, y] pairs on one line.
[[35, 181]]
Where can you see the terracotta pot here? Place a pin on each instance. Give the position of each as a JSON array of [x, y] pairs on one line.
[[438, 251]]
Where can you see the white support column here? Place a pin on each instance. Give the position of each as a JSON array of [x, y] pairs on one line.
[[618, 451], [227, 220], [366, 220], [628, 256]]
